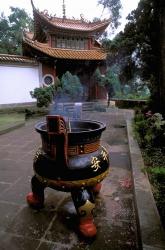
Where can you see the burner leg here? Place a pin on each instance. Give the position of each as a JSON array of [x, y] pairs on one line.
[[36, 198], [84, 204], [96, 189]]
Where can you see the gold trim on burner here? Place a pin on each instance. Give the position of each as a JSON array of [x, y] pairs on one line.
[[59, 183], [77, 149]]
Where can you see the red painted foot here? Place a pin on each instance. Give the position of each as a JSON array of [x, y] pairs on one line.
[[87, 227], [34, 200], [97, 188]]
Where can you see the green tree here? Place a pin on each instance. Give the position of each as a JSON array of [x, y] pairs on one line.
[[110, 80], [140, 50], [114, 7], [11, 30], [71, 86], [97, 76], [161, 10], [5, 44], [111, 77]]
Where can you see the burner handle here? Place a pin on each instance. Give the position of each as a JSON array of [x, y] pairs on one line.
[[57, 132]]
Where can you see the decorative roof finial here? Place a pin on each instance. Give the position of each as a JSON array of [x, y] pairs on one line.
[[63, 9], [32, 3]]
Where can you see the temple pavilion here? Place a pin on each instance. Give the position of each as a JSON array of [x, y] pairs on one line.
[[63, 44]]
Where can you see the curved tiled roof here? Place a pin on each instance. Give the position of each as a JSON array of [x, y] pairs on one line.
[[93, 54], [6, 58], [76, 25], [71, 24]]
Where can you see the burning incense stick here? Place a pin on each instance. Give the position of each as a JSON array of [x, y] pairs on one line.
[[69, 125]]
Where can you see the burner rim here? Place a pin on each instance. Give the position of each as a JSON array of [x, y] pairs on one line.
[[101, 127]]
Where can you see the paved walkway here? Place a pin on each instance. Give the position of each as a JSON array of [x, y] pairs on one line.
[[53, 227]]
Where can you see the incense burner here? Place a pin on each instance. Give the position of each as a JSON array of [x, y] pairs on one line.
[[71, 159]]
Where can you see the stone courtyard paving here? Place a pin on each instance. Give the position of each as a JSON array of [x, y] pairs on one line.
[[54, 226]]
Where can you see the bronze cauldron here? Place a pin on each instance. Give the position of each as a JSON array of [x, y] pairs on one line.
[[71, 159]]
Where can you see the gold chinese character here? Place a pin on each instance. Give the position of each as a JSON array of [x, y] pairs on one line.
[[104, 155], [95, 163], [38, 153]]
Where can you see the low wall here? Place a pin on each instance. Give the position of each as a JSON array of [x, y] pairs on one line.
[[129, 103]]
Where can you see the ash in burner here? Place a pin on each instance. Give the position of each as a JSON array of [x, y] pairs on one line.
[[76, 130]]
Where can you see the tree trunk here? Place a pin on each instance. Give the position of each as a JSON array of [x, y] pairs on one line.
[[162, 56]]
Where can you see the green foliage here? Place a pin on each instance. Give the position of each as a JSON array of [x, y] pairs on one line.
[[150, 132], [134, 90], [11, 30], [71, 86], [114, 7], [57, 83], [159, 173], [157, 177], [122, 55], [154, 157], [35, 112], [97, 76], [139, 48], [110, 80], [44, 95], [155, 165], [4, 34], [150, 129], [112, 77]]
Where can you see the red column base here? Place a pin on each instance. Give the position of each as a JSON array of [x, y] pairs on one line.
[[87, 227], [96, 189], [34, 200]]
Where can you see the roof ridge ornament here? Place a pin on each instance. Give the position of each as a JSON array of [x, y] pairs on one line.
[[64, 9], [32, 4]]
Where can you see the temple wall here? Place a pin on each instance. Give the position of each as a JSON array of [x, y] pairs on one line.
[[16, 82], [48, 69]]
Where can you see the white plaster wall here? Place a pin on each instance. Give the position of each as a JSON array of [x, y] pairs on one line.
[[16, 82]]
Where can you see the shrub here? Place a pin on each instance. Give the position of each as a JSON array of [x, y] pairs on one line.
[[157, 176], [44, 95], [150, 129], [71, 86], [150, 132], [35, 112]]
